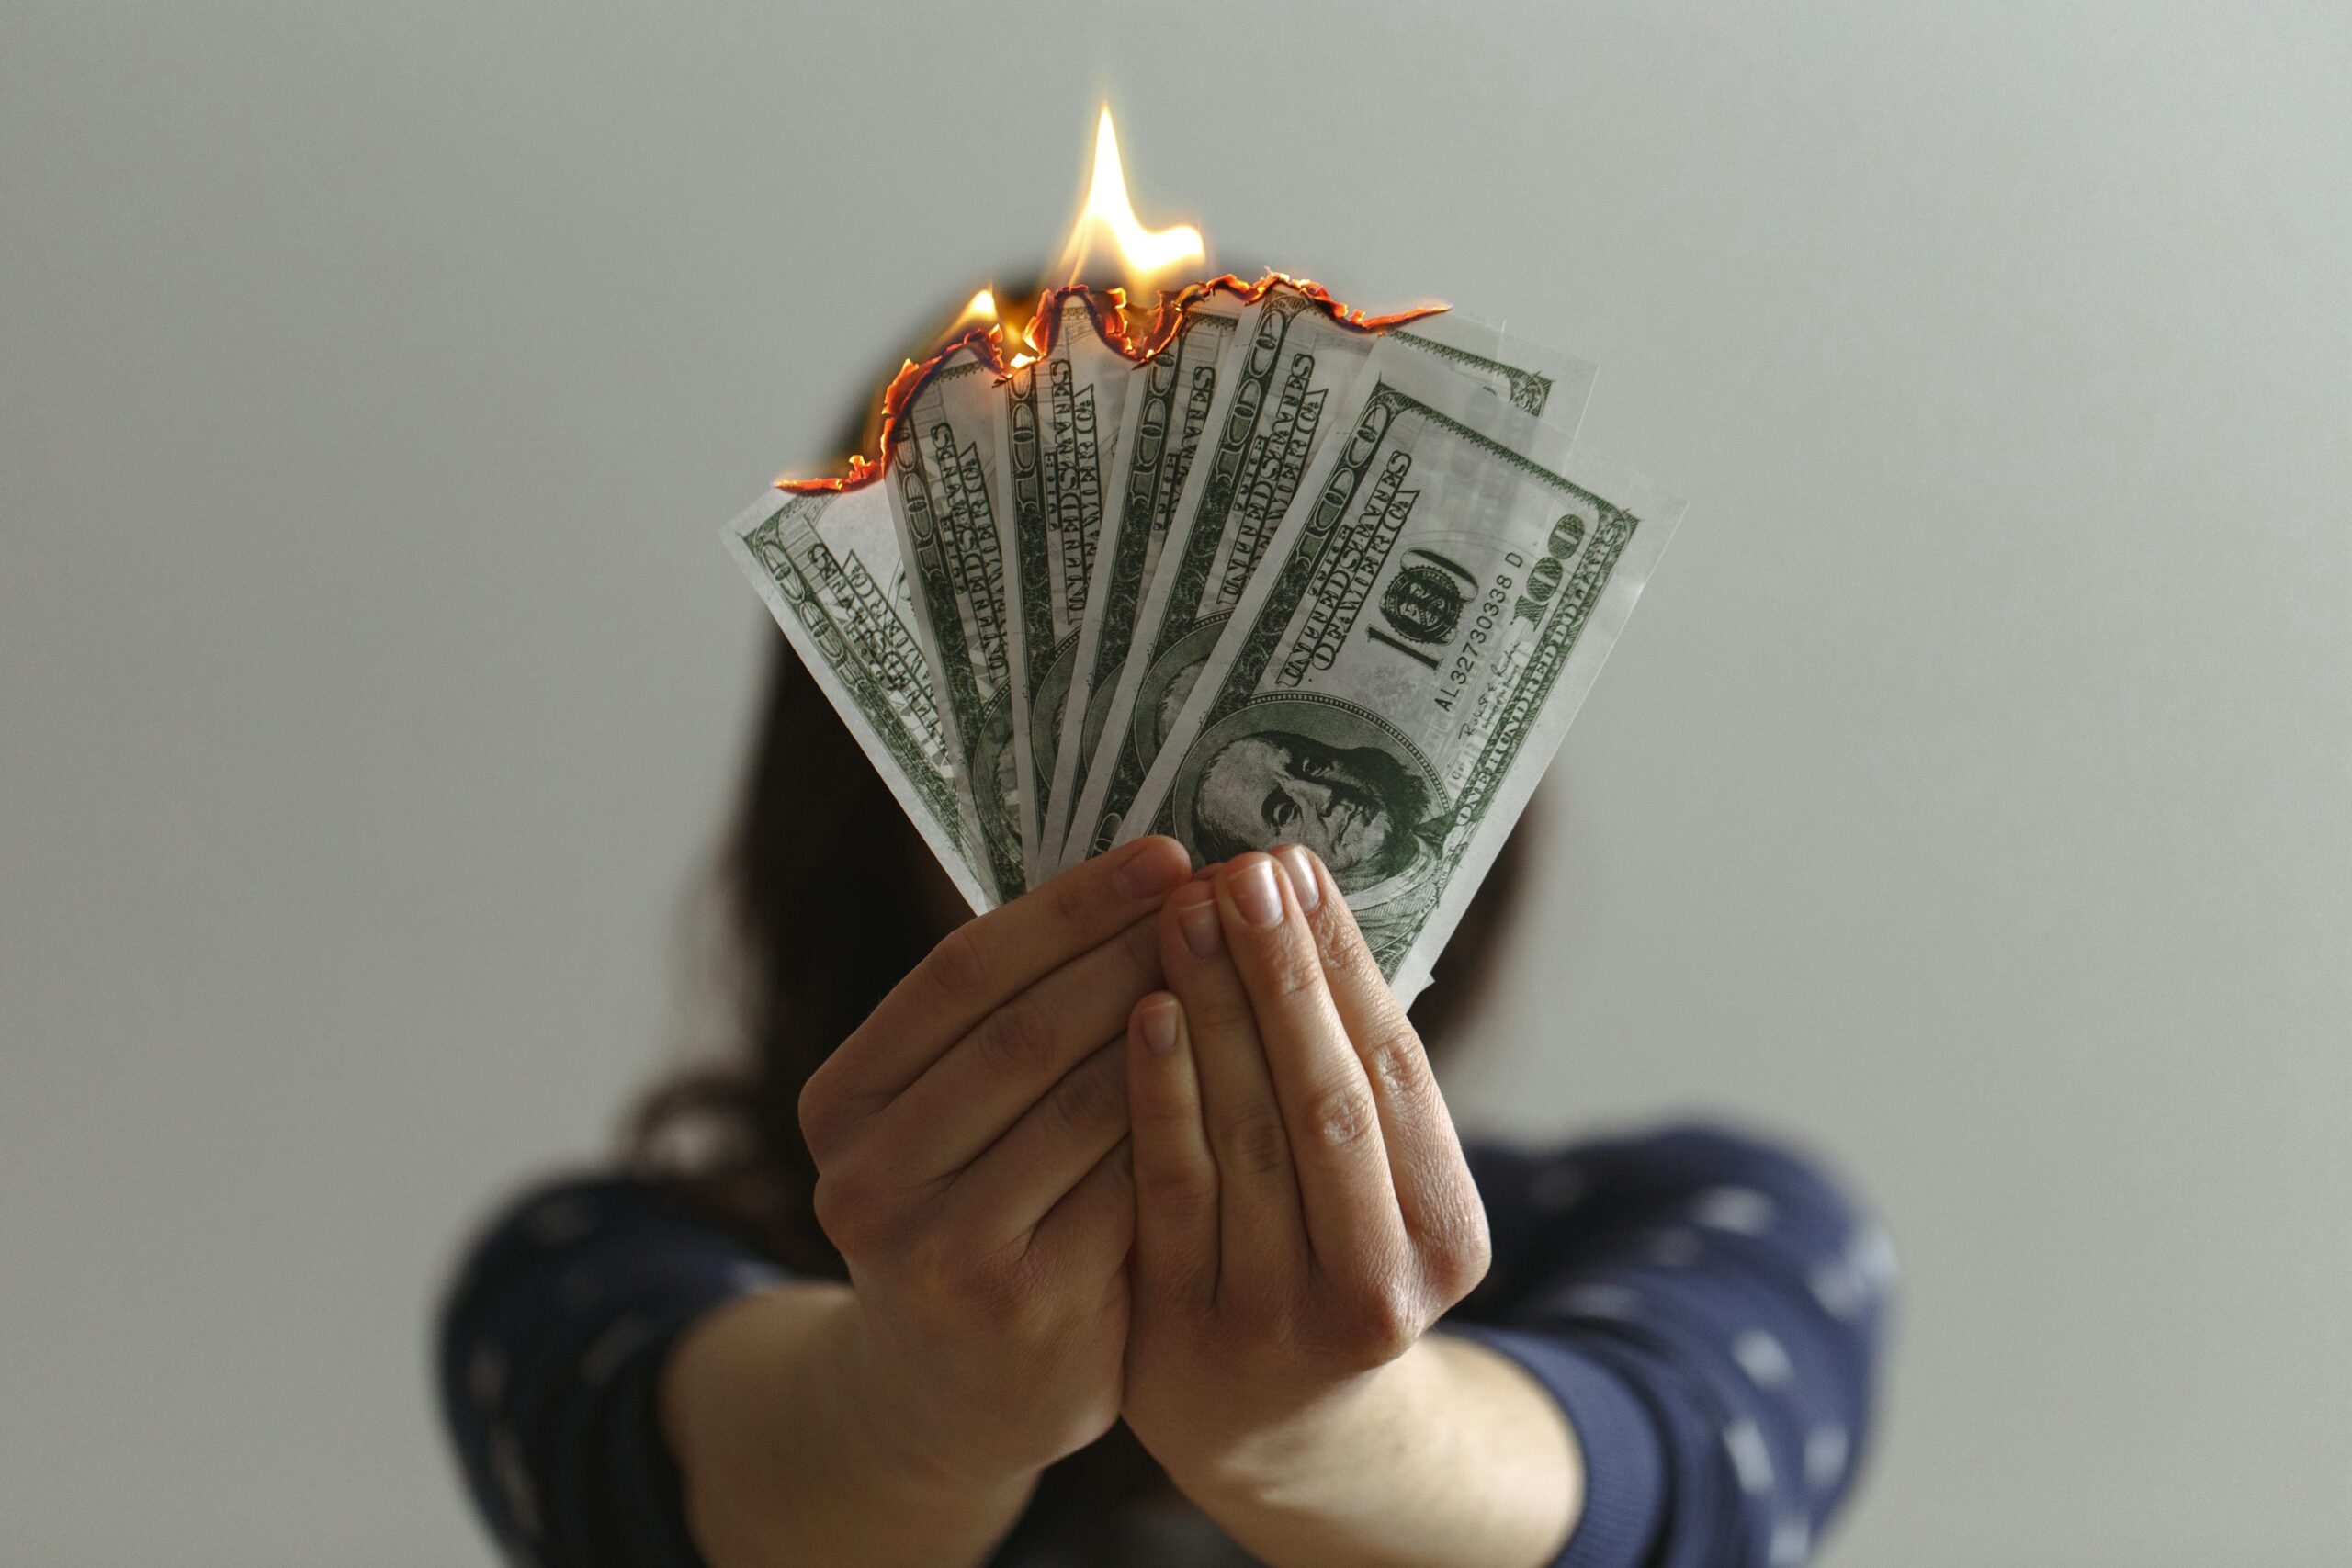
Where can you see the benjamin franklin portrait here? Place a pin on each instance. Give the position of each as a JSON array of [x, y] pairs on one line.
[[1300, 770], [996, 784]]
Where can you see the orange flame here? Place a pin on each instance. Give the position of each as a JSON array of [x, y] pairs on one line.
[[980, 308], [1108, 307], [1145, 254]]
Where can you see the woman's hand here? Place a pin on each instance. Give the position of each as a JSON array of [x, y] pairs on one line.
[[1302, 1210], [970, 1142]]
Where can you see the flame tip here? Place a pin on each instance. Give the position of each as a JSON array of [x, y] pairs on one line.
[[1107, 209]]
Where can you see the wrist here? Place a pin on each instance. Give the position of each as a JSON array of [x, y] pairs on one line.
[[771, 1410], [890, 1423], [1313, 1454], [1442, 1456]]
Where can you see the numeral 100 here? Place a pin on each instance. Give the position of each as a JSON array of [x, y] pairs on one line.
[[1544, 579]]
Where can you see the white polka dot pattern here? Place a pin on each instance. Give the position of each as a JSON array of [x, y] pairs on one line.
[[1602, 1300], [1740, 1209], [1824, 1457], [1871, 1253], [1692, 1285], [1841, 1296], [1749, 1457], [754, 1276], [514, 1480], [1762, 1358], [1791, 1539]]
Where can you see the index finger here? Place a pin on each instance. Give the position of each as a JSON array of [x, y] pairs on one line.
[[986, 961]]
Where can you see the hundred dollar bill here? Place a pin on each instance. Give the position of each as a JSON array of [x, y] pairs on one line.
[[944, 494], [1399, 671], [826, 566], [1167, 408], [1060, 435], [1266, 428]]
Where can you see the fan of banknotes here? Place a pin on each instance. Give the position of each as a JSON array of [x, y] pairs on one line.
[[1271, 573]]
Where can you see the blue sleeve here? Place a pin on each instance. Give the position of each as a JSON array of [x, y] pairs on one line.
[[548, 1352], [1711, 1312]]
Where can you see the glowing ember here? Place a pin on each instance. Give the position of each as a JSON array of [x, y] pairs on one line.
[[1145, 256], [981, 308]]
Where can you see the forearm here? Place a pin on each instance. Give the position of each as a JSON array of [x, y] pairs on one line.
[[770, 1408], [1449, 1456]]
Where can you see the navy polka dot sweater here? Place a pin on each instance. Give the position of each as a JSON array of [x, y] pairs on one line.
[[1710, 1311]]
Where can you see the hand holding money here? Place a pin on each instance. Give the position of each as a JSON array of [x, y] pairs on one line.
[[1317, 1259], [969, 1142], [1275, 573]]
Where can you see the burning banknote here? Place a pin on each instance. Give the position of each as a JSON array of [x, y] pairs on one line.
[[1257, 569]]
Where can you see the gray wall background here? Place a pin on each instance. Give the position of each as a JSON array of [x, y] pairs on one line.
[[1968, 798]]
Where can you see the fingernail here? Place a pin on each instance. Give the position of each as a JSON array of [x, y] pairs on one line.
[[1154, 868], [1196, 918], [1157, 1023], [1254, 892], [1302, 880]]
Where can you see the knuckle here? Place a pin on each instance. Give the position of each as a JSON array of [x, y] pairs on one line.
[[832, 1213], [1140, 943], [1458, 1255], [1168, 1128], [1255, 1143], [944, 1264], [1396, 1060], [959, 965], [1292, 972], [1471, 1266], [1376, 1325], [1001, 1287], [1183, 1297], [943, 1272], [1187, 1192], [1152, 1101], [1091, 1096], [1254, 1310], [847, 1210], [1016, 1039], [1069, 901], [1342, 948], [1224, 1010], [1341, 1116], [816, 1110]]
